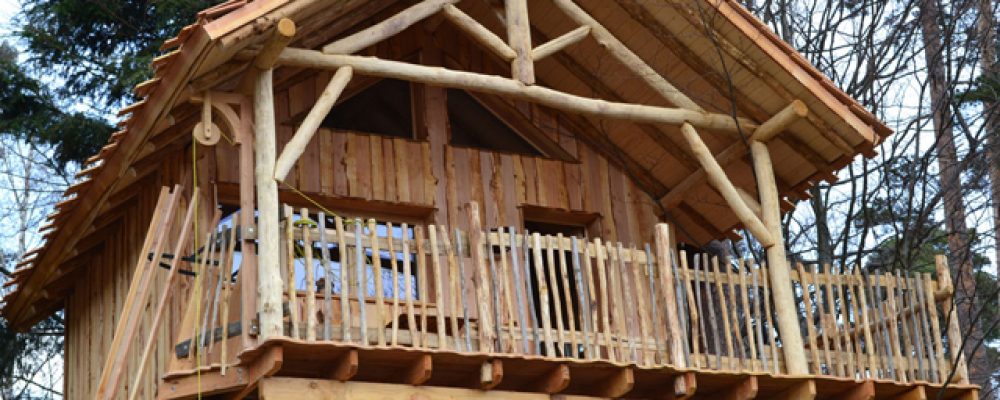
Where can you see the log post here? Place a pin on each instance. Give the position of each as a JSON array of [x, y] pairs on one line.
[[268, 233], [248, 264], [951, 315], [786, 311], [269, 295], [522, 68], [785, 308], [675, 344]]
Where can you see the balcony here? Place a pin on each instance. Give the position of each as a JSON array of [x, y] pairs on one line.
[[500, 308]]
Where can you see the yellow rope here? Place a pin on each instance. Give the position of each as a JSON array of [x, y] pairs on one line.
[[309, 199]]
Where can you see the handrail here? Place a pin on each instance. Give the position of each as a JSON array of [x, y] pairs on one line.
[[500, 290]]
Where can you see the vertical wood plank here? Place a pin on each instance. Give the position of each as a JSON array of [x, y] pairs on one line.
[[345, 286], [411, 319], [293, 304], [476, 244], [376, 265], [543, 294], [438, 290], [307, 245]]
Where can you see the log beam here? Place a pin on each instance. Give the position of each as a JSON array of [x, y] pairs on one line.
[[387, 28], [515, 90], [307, 129], [718, 179], [281, 35], [735, 151], [794, 111], [479, 33], [284, 30], [558, 44], [281, 388], [629, 59]]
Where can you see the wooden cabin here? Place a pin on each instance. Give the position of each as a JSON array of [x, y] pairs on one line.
[[402, 199]]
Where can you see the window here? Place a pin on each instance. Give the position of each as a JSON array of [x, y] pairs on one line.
[[472, 125], [384, 108]]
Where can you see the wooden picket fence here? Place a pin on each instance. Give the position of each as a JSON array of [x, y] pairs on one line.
[[506, 291]]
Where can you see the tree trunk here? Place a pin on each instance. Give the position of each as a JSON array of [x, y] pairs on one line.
[[959, 243], [988, 63]]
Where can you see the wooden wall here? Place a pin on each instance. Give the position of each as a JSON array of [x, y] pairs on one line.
[[94, 304], [423, 180], [430, 174]]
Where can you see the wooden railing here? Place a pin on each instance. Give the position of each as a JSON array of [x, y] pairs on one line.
[[505, 291]]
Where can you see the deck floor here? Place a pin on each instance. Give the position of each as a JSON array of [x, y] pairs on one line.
[[284, 357]]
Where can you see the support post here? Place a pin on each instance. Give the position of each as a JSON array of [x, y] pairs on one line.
[[786, 310], [268, 232], [522, 68], [248, 264]]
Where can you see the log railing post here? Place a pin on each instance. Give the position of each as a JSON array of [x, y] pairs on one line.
[[675, 344], [483, 283], [954, 331]]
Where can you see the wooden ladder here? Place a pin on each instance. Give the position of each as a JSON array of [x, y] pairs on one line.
[[161, 227]]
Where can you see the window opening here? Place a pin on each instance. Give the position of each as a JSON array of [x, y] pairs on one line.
[[384, 108], [473, 125]]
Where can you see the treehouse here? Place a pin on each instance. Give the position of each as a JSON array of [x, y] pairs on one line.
[[475, 199]]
